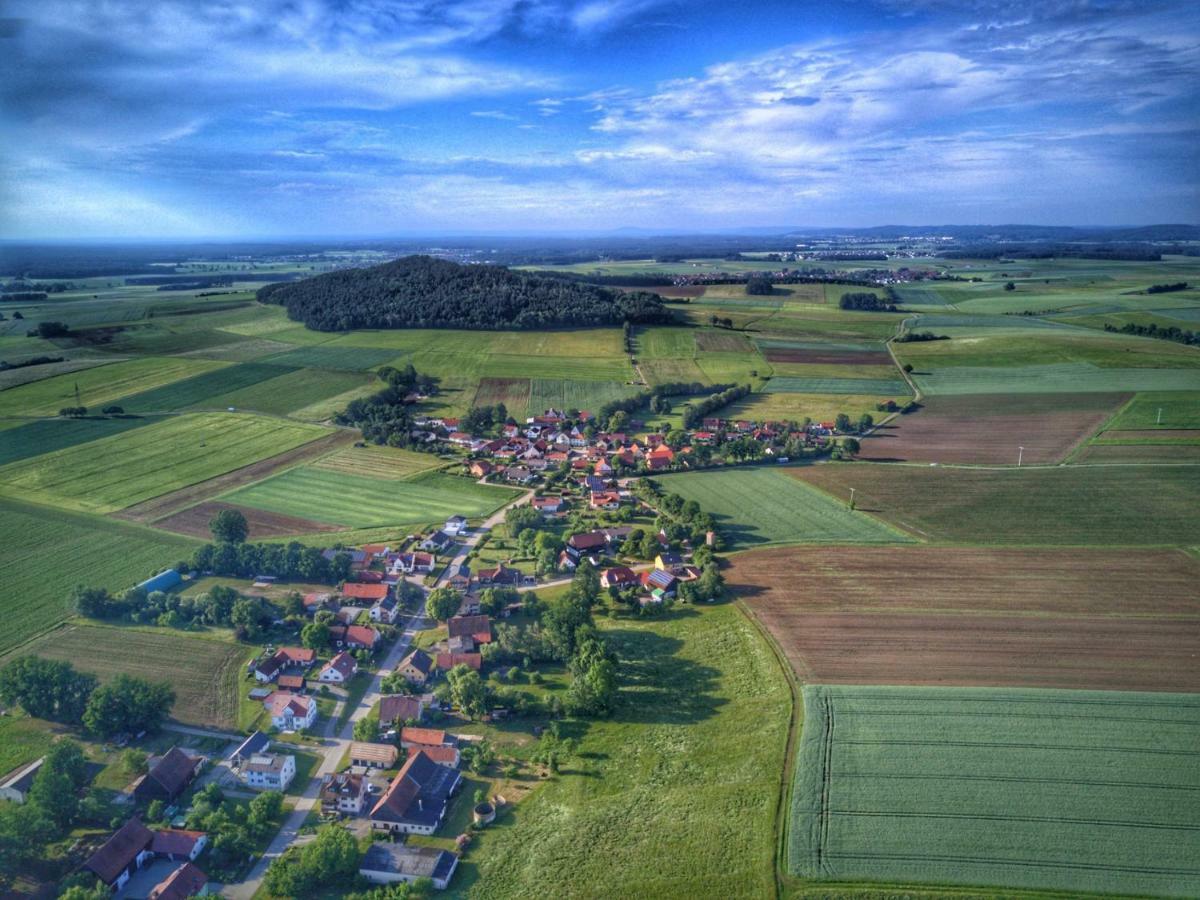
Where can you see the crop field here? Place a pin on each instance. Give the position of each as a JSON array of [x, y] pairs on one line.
[[118, 471], [1156, 452], [662, 342], [48, 435], [204, 673], [988, 429], [1178, 410], [512, 392], [1075, 791], [756, 506], [203, 390], [1054, 378], [353, 359], [16, 377], [194, 521], [980, 616], [782, 407], [292, 390], [98, 386], [579, 343], [45, 552], [814, 356], [722, 341], [1064, 505], [881, 387], [374, 461], [360, 501], [674, 795], [564, 394], [921, 295]]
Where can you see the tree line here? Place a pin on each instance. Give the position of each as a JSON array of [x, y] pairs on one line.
[[1167, 288], [866, 302], [1170, 333], [694, 414], [384, 417]]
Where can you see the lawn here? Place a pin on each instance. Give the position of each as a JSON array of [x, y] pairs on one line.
[[119, 471], [761, 505], [1053, 790], [1062, 505], [22, 740], [361, 501], [45, 552], [674, 795], [204, 672]]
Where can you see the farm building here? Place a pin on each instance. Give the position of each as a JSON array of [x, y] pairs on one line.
[[167, 776], [416, 800], [372, 755], [400, 708], [388, 863], [163, 581], [478, 628], [16, 786]]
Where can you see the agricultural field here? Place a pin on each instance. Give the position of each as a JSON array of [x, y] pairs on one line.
[[783, 407], [47, 435], [1053, 790], [1060, 506], [360, 501], [979, 616], [119, 471], [761, 505], [203, 390], [512, 392], [1178, 410], [195, 522], [204, 672], [353, 359], [880, 387], [989, 429], [293, 390], [560, 393], [667, 797], [37, 584], [388, 463]]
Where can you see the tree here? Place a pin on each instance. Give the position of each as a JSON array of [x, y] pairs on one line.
[[851, 445], [467, 691], [128, 704], [55, 788], [865, 422], [133, 761], [91, 602], [759, 286], [113, 410], [366, 729], [331, 858], [246, 616], [593, 688], [264, 810], [47, 689], [518, 518], [315, 636], [1009, 286], [229, 526], [442, 603], [154, 811], [908, 367]]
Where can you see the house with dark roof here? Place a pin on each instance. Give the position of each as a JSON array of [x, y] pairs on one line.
[[416, 800], [282, 660], [167, 776], [339, 670], [122, 854], [437, 542], [344, 792], [186, 881], [478, 628], [255, 743], [657, 579], [459, 577], [416, 667], [399, 708], [388, 863]]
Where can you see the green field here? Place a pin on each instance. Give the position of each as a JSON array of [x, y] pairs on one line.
[[205, 672], [562, 394], [352, 359], [115, 472], [360, 501], [1060, 505], [759, 506], [203, 390], [375, 461], [674, 795], [294, 390], [1179, 410], [1077, 791], [44, 553], [1054, 378], [883, 387], [48, 435], [22, 740]]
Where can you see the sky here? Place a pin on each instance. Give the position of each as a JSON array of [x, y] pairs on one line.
[[261, 118]]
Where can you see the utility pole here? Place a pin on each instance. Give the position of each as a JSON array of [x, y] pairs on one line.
[[1159, 422], [1020, 456], [77, 403], [852, 498]]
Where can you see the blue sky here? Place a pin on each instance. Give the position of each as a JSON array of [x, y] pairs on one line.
[[187, 118]]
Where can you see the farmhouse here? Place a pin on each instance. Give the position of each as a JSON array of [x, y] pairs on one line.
[[657, 579], [186, 881], [500, 574], [416, 800], [354, 637], [339, 670], [344, 792], [618, 576], [16, 786], [416, 667], [605, 500], [447, 661], [409, 563], [269, 771], [388, 863], [284, 658], [395, 708], [372, 593], [167, 776], [291, 712], [478, 628], [373, 756], [133, 845]]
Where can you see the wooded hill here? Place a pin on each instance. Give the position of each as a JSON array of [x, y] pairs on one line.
[[423, 292]]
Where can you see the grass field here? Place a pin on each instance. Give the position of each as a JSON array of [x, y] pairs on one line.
[[1102, 506], [562, 394], [119, 471], [880, 387], [44, 553], [1179, 410], [205, 673], [22, 740], [48, 435], [203, 390], [674, 795], [979, 616], [1071, 791], [352, 359], [1054, 378], [361, 501], [374, 461], [293, 390], [512, 392], [756, 506], [783, 406]]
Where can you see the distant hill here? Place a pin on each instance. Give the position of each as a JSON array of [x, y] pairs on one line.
[[424, 292]]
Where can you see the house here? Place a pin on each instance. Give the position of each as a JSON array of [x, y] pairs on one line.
[[294, 683], [566, 560], [317, 600], [283, 659], [587, 543], [122, 854], [388, 863], [344, 792], [291, 712], [358, 558], [416, 667], [518, 475], [455, 526], [399, 708], [354, 637], [409, 563], [660, 457], [348, 615], [339, 670], [16, 786], [668, 561], [461, 643], [500, 574], [256, 743], [548, 506], [167, 776], [416, 800], [618, 576], [481, 468], [269, 771], [419, 738], [373, 756], [657, 579], [592, 483], [178, 844], [372, 593], [605, 500], [437, 542], [459, 577], [447, 661], [385, 611], [479, 628], [186, 881], [368, 576]]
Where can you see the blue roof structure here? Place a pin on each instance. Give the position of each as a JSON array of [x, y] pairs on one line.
[[163, 581]]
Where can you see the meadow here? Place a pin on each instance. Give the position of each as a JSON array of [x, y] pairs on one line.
[[47, 435], [119, 471], [204, 672], [1050, 790], [882, 387], [760, 505], [203, 390], [1158, 410], [359, 501], [374, 461], [45, 553], [293, 390]]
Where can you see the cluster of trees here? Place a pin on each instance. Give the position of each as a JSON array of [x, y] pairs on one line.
[[866, 302], [52, 689], [233, 828], [73, 412], [384, 416], [424, 292], [759, 286], [627, 336], [1170, 333], [482, 419], [696, 412], [25, 297], [844, 424], [221, 606], [615, 414], [32, 361], [1167, 288], [916, 337], [292, 561], [332, 858], [48, 330], [717, 322]]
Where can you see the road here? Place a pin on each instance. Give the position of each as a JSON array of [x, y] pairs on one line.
[[472, 540]]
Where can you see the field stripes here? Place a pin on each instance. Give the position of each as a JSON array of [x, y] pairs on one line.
[[921, 295], [354, 359], [388, 463], [564, 394], [765, 344], [194, 391], [796, 385], [1054, 378], [48, 435]]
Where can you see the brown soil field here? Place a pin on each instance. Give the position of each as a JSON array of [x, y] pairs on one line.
[[723, 342], [828, 357], [168, 504], [988, 429], [512, 392], [1094, 454], [1167, 436], [1081, 619], [667, 290], [194, 521]]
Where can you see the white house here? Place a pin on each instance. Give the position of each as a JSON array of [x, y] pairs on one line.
[[291, 712], [16, 786], [339, 670], [269, 771], [455, 525]]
